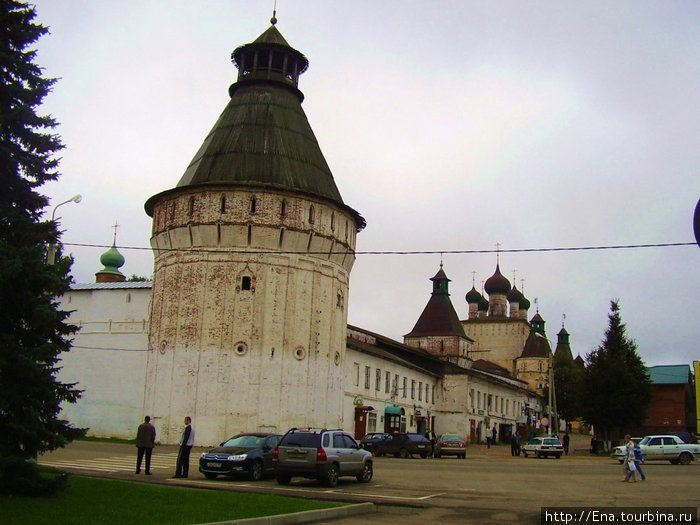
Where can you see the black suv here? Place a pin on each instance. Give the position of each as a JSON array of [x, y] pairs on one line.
[[320, 454], [404, 444]]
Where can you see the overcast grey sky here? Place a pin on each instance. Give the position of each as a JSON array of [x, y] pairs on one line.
[[449, 125]]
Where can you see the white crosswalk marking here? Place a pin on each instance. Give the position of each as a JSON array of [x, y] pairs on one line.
[[118, 463]]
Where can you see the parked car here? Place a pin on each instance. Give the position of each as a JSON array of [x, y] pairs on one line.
[[450, 445], [244, 453], [321, 454], [370, 440], [671, 448], [404, 444], [541, 447]]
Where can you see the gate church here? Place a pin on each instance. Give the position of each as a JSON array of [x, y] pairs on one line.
[[247, 326]]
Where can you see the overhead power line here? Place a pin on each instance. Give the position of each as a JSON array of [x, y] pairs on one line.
[[398, 252]]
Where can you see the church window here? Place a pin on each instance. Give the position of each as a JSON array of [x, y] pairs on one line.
[[299, 353], [253, 205], [367, 376], [241, 348], [245, 283], [539, 365], [281, 237], [312, 215], [283, 208], [222, 204], [333, 222], [128, 298]]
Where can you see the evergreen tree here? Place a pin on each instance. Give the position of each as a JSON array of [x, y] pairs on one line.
[[568, 377], [33, 331], [616, 385]]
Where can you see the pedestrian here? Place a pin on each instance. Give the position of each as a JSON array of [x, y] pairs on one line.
[[638, 460], [594, 444], [182, 469], [514, 444], [565, 442], [145, 441], [493, 435], [629, 468]]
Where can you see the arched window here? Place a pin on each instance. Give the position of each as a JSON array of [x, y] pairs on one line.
[[253, 205], [283, 208], [311, 214], [223, 204]]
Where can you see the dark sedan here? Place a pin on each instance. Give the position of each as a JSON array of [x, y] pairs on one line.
[[370, 440], [404, 444], [249, 454]]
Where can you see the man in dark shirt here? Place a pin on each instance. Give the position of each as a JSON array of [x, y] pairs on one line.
[[145, 441]]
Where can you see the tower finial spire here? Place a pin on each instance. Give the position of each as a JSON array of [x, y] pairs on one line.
[[116, 225], [440, 259], [498, 253], [473, 278], [563, 318], [273, 20]]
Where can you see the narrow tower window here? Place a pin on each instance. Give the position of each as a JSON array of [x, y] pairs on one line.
[[253, 205], [223, 204], [311, 215], [245, 283], [332, 222], [283, 208], [191, 206]]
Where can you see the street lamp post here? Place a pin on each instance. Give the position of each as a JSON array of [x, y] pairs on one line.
[[51, 252]]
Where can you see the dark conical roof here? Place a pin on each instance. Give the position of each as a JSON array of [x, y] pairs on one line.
[[536, 345], [263, 138], [497, 283], [439, 316]]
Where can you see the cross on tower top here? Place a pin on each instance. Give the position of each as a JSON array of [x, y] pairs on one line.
[[116, 225]]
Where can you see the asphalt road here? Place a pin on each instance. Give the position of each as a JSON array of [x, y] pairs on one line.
[[489, 486]]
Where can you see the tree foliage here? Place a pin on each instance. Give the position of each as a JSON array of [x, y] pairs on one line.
[[33, 331], [568, 377], [616, 385]]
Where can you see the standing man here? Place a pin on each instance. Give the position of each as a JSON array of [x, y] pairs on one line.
[[565, 442], [183, 457], [145, 441]]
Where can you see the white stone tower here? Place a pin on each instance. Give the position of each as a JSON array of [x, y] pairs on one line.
[[253, 251]]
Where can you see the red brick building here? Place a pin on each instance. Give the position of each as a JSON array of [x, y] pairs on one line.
[[672, 400]]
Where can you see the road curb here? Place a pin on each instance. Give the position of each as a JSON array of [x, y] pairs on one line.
[[309, 516]]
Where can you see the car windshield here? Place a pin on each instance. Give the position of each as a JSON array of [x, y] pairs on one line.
[[552, 441], [535, 441], [301, 439], [245, 440], [645, 441], [450, 438]]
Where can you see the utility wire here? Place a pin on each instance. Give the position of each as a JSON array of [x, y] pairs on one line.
[[398, 252]]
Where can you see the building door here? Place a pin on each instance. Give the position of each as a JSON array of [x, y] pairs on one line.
[[360, 422], [472, 431]]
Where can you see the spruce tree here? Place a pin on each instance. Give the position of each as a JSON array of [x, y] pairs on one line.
[[33, 331], [616, 384]]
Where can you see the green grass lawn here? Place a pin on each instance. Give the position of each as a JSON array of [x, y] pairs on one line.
[[103, 501]]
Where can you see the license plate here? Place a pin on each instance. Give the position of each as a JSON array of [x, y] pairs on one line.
[[212, 464]]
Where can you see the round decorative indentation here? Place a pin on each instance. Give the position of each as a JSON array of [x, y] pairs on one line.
[[336, 359], [163, 347], [300, 353], [241, 348]]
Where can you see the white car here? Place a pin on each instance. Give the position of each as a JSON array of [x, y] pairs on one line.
[[541, 447], [670, 448]]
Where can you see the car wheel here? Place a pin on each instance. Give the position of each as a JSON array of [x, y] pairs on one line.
[[620, 461], [538, 455], [332, 478], [208, 475], [524, 454], [403, 453], [557, 456], [283, 478], [424, 455], [256, 471], [464, 456], [685, 458], [367, 473]]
